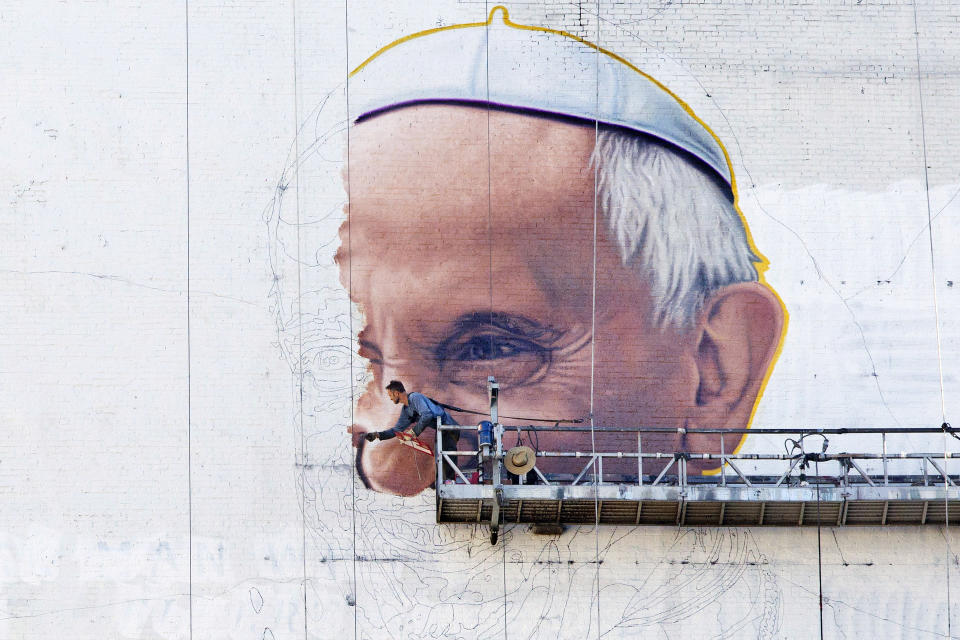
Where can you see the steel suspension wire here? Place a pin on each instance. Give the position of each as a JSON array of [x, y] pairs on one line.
[[926, 180], [816, 465], [593, 328], [936, 310], [486, 9]]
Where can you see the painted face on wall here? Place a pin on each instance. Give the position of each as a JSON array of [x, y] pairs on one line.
[[471, 247]]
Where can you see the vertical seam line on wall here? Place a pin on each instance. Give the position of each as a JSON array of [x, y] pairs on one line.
[[303, 452], [186, 22], [936, 313], [593, 329], [354, 475]]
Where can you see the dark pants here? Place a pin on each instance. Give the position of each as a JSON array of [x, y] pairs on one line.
[[449, 440]]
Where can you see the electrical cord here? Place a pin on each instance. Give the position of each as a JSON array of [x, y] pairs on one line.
[[451, 407], [948, 429], [798, 444]]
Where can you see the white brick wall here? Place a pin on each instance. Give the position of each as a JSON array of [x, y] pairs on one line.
[[122, 518]]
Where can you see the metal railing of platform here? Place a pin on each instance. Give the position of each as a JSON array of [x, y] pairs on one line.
[[479, 481], [677, 461]]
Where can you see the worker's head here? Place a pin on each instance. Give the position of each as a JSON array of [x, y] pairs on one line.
[[395, 391], [597, 267]]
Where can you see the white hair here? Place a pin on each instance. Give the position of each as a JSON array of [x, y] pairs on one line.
[[673, 222]]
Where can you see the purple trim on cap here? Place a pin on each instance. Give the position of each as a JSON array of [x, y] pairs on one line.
[[554, 115]]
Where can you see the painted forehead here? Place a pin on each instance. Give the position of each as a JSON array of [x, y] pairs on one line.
[[431, 164]]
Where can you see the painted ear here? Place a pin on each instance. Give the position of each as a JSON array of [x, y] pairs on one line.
[[739, 332]]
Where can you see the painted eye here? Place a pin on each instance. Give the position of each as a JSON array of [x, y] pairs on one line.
[[514, 361], [490, 347]]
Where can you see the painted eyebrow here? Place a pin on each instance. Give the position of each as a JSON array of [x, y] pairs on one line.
[[371, 347]]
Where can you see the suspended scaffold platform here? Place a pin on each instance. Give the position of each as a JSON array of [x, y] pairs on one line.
[[500, 480]]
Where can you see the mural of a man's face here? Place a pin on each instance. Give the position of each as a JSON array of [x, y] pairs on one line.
[[472, 249]]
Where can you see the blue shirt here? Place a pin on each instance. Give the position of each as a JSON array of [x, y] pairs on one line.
[[421, 412]]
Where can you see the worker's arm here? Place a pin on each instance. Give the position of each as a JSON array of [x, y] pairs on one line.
[[426, 410], [403, 422]]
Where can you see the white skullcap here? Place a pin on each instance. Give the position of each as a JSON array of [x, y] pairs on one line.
[[529, 69]]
